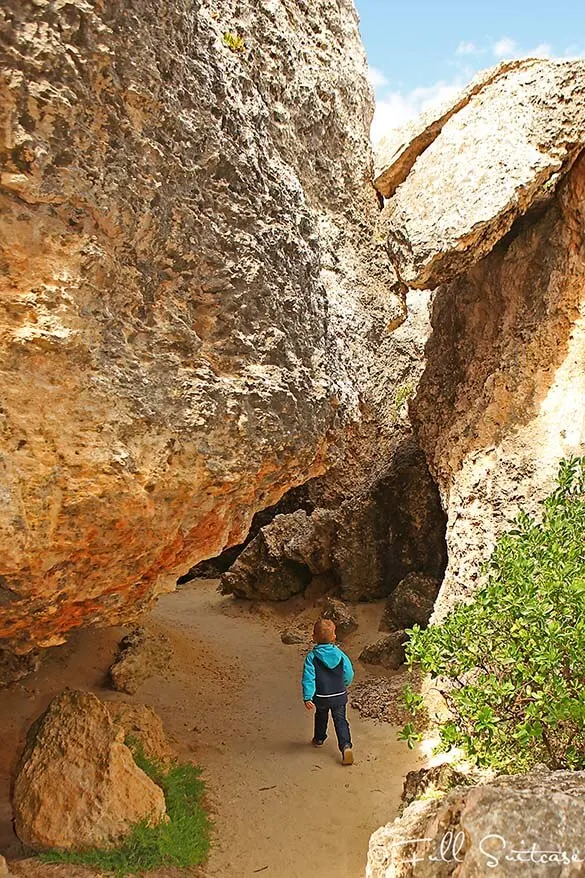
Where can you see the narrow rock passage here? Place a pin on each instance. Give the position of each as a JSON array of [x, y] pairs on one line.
[[283, 807], [232, 703]]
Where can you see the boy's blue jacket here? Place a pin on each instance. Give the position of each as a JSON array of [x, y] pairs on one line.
[[330, 655]]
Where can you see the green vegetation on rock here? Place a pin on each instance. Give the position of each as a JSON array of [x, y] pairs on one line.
[[234, 42], [511, 664], [182, 841]]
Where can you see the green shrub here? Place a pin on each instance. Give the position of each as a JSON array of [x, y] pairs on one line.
[[183, 841], [511, 664], [234, 42]]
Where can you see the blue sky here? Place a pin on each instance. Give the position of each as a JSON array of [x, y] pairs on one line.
[[423, 51]]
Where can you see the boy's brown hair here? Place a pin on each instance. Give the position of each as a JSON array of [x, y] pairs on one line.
[[324, 631]]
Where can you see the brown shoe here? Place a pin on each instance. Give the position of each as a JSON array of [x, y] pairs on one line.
[[347, 756]]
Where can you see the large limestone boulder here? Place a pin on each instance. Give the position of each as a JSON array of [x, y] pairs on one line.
[[280, 561], [77, 784], [396, 153], [370, 535], [503, 395], [490, 829], [196, 308], [489, 211], [495, 153]]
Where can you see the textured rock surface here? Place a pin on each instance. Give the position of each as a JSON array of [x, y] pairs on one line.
[[341, 615], [4, 873], [78, 784], [475, 831], [428, 781], [281, 559], [371, 535], [411, 602], [188, 235], [396, 528], [501, 153], [503, 396], [143, 725], [141, 654], [396, 154], [388, 651], [14, 667]]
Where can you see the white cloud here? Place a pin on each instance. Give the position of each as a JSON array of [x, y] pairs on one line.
[[509, 48], [505, 48], [466, 48], [543, 50], [376, 78], [394, 109]]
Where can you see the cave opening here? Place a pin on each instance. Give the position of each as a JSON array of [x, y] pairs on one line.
[[358, 547]]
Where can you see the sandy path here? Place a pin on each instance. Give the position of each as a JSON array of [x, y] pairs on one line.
[[232, 703]]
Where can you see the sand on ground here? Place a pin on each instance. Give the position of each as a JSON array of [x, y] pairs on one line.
[[231, 702]]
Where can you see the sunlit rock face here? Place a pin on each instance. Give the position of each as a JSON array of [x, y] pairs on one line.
[[194, 309], [502, 397], [497, 151]]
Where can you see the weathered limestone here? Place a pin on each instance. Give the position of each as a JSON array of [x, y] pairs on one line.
[[475, 830], [388, 651], [141, 654], [341, 615], [142, 724], [194, 303], [499, 153], [411, 602], [367, 539], [78, 785], [503, 395], [281, 559], [491, 214], [396, 154]]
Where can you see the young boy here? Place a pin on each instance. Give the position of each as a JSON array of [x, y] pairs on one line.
[[326, 674]]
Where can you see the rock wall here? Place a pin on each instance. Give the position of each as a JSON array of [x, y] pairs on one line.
[[488, 829], [195, 309], [500, 233]]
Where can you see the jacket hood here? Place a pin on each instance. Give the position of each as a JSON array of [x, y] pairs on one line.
[[328, 653]]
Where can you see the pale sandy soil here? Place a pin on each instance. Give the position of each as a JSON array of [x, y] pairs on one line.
[[231, 702]]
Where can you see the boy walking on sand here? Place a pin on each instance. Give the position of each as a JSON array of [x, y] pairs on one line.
[[327, 673]]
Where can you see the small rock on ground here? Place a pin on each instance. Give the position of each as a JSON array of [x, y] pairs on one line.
[[340, 613], [141, 654], [387, 651]]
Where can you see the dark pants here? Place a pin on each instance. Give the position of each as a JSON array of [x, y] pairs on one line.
[[339, 721]]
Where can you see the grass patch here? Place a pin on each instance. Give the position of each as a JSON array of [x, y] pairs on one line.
[[183, 841]]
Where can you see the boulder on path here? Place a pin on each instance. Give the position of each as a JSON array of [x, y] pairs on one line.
[[281, 560], [502, 152], [475, 830], [14, 667], [387, 651], [77, 784], [141, 654], [411, 602], [341, 615], [293, 635]]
